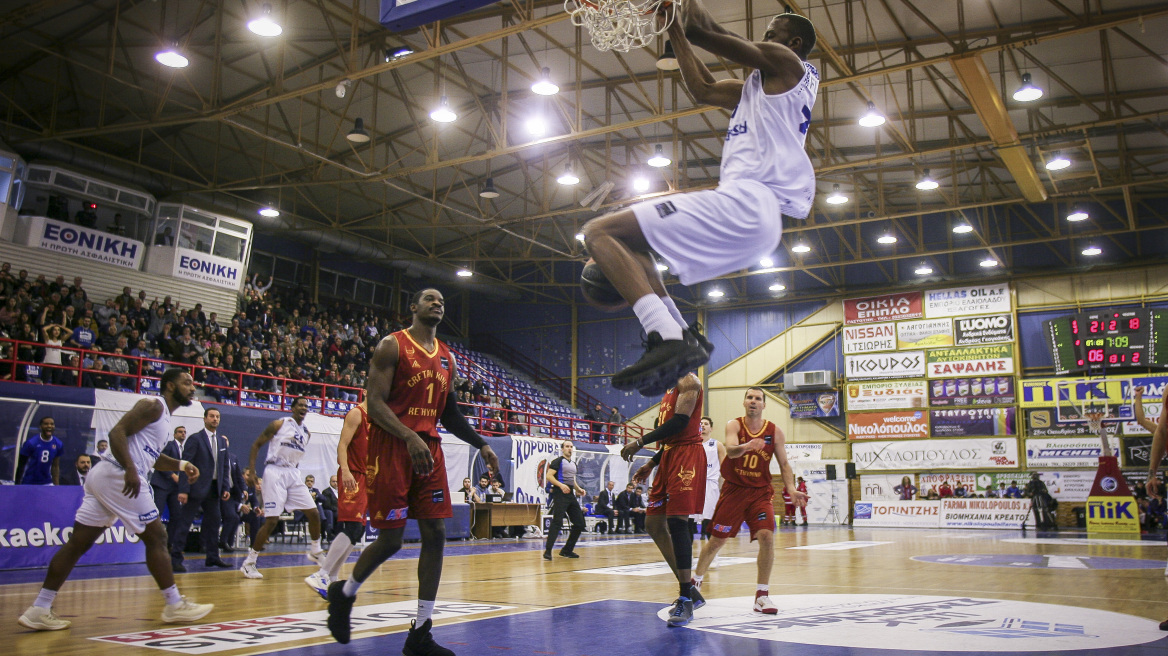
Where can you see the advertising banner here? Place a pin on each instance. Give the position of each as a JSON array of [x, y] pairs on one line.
[[972, 422], [933, 454], [991, 329], [806, 405], [530, 457], [907, 364], [986, 513], [928, 333], [1043, 422], [906, 425], [891, 395], [801, 451], [935, 481], [979, 390], [971, 361], [897, 514], [207, 269], [1073, 393], [1066, 451], [89, 243], [1073, 486], [1112, 515], [883, 487], [36, 521], [1137, 451], [870, 338], [882, 308], [959, 301]]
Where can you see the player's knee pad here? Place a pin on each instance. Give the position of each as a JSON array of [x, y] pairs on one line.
[[355, 530]]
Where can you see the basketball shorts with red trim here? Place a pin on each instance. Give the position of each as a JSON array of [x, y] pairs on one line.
[[395, 492], [737, 504], [352, 506], [680, 485], [705, 234]]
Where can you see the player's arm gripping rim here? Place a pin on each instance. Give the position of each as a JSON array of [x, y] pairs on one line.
[[348, 430], [781, 67], [382, 366], [687, 398], [264, 438], [800, 498], [453, 421], [697, 78]]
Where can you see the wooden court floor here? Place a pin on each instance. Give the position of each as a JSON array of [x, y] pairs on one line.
[[501, 597]]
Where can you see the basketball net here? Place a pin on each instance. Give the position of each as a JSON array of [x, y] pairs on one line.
[[1095, 422], [621, 25]]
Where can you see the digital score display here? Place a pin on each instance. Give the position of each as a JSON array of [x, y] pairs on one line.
[[1094, 341]]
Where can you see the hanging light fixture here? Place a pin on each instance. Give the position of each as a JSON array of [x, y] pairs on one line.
[[1057, 162], [392, 54], [800, 247], [640, 183], [568, 177], [766, 262], [668, 60], [1078, 214], [464, 273], [962, 228], [488, 190], [269, 212], [777, 287], [358, 135], [872, 118], [837, 197], [923, 270], [544, 85], [1092, 250], [927, 183], [659, 159], [171, 57], [715, 293], [1027, 92], [264, 25], [443, 114], [989, 263], [887, 238]]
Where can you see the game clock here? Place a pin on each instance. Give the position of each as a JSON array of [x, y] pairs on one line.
[[1108, 339]]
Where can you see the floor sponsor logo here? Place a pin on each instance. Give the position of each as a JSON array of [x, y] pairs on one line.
[[1039, 561], [264, 631], [653, 569], [926, 624], [840, 546]]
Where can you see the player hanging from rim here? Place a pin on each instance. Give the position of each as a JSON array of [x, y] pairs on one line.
[[284, 488], [114, 490], [678, 489], [765, 173], [407, 393], [747, 495], [353, 502]]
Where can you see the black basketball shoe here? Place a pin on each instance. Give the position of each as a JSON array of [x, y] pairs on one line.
[[681, 613], [339, 609], [662, 364], [695, 331], [420, 642], [696, 597]]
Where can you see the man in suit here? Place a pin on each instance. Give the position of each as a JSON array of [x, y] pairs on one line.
[[80, 471], [171, 489], [328, 506], [206, 450], [251, 510], [606, 505], [630, 505], [229, 508]]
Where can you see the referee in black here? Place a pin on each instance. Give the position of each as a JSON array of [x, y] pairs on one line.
[[561, 476]]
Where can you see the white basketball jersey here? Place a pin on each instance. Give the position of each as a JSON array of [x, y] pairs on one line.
[[287, 447], [765, 141], [146, 445], [713, 467]]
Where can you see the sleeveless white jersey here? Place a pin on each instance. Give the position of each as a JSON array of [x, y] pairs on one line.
[[713, 467], [287, 447], [765, 141], [146, 445]]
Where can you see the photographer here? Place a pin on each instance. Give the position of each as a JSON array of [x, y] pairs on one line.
[[1041, 504]]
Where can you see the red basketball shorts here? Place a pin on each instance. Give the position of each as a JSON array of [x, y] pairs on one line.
[[352, 506], [737, 504], [680, 485], [395, 492]]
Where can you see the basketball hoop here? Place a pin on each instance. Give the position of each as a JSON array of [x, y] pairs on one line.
[[1095, 421], [621, 25]]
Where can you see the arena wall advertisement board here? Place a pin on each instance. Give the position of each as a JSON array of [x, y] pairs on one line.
[[992, 329], [881, 487], [890, 307], [897, 514], [934, 481], [207, 269], [800, 451], [1137, 451], [869, 338], [960, 301], [1073, 486], [807, 405], [972, 422], [530, 457], [979, 390], [1066, 451], [889, 395], [906, 364], [933, 454], [971, 361], [1043, 422], [927, 333], [36, 521], [986, 513], [905, 425], [89, 243]]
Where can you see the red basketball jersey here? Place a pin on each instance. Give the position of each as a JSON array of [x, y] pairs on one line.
[[751, 469], [692, 433], [359, 445], [420, 384]]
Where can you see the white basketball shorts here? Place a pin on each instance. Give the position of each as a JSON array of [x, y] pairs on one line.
[[284, 490], [711, 500], [706, 234], [104, 502]]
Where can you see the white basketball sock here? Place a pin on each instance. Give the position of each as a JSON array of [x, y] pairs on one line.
[[655, 318], [351, 587], [45, 598], [252, 557], [697, 581], [673, 311], [337, 554], [425, 610], [172, 596]]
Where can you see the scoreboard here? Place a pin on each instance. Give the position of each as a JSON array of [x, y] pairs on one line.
[[1107, 339]]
